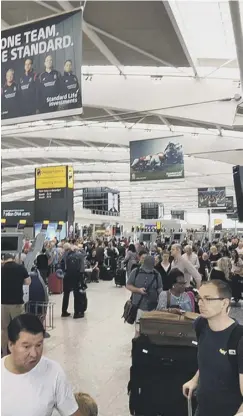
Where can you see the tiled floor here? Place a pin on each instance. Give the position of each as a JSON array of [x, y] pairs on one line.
[[95, 351]]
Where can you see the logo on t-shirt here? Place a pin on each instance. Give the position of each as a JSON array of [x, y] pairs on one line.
[[223, 352]]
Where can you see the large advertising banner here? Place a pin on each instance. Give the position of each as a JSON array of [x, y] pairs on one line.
[[178, 214], [211, 197], [229, 206], [156, 159], [41, 69], [113, 202]]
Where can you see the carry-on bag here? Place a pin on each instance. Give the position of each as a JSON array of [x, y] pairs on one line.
[[163, 328], [130, 310], [120, 277], [83, 301], [55, 285], [106, 273], [157, 376]]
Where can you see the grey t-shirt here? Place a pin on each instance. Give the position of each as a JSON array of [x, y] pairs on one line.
[[143, 279]]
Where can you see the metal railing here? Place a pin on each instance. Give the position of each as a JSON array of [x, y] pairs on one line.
[[45, 312]]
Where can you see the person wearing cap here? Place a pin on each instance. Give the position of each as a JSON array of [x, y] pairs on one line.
[[13, 277], [145, 284]]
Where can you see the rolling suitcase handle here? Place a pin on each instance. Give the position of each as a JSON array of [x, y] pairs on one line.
[[189, 407]]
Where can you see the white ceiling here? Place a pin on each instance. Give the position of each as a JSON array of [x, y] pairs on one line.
[[97, 144]]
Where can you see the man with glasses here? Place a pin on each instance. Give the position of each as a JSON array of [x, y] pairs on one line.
[[219, 379]]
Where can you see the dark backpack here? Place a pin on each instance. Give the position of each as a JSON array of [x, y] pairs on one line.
[[232, 346], [73, 263]]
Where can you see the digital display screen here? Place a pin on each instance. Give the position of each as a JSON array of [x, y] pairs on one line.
[[9, 244]]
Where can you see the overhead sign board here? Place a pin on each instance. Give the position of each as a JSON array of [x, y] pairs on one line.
[[41, 68], [178, 214], [218, 224], [229, 206], [211, 197], [15, 212], [54, 193], [50, 177], [156, 159]]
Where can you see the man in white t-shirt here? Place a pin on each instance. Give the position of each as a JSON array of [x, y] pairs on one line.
[[33, 385]]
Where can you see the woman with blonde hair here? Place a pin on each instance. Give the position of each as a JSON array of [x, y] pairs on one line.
[[214, 255], [222, 270]]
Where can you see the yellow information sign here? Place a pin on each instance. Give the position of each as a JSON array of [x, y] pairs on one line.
[[70, 177], [50, 177]]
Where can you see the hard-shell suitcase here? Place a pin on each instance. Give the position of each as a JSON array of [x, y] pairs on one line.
[[157, 376], [120, 277], [106, 273], [163, 328], [55, 285]]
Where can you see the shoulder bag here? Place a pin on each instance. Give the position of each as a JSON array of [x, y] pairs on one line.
[[130, 310]]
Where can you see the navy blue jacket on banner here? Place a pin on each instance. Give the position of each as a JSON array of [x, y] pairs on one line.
[[10, 101], [48, 87], [28, 93]]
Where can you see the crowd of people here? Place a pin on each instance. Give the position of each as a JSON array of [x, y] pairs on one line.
[[163, 277]]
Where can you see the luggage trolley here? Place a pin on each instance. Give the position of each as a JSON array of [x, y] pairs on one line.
[[44, 311]]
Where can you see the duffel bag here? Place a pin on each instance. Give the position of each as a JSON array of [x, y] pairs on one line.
[[163, 328]]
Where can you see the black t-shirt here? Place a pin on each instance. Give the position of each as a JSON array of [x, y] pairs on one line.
[[12, 280], [219, 390], [214, 257], [217, 274], [42, 262], [100, 254]]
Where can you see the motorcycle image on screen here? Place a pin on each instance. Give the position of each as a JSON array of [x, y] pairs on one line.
[[173, 154]]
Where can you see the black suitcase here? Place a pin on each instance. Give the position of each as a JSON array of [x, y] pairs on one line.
[[120, 277], [237, 287], [106, 273], [82, 301], [157, 376]]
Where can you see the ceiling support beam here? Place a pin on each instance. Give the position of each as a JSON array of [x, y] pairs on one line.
[[48, 6], [130, 46], [138, 121], [220, 130], [180, 37], [65, 5], [114, 115], [95, 39], [4, 25], [7, 162], [229, 61], [165, 121], [238, 34], [24, 141]]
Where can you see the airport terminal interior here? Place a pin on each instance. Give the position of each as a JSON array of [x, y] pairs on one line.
[[122, 186]]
